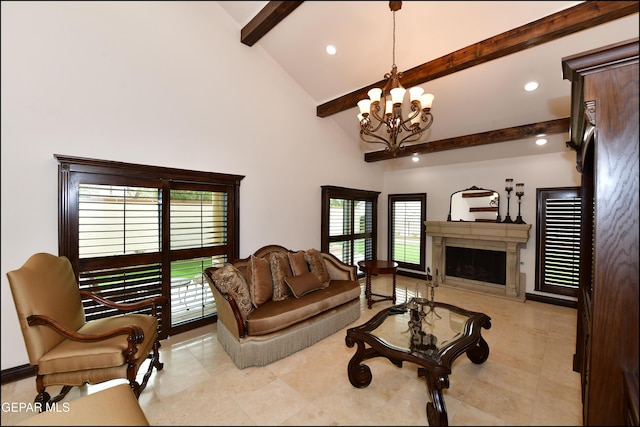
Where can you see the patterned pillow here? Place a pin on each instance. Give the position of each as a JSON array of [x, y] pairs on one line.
[[316, 265], [260, 284], [280, 268], [228, 280], [298, 263]]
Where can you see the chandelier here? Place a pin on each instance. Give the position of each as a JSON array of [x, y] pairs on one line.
[[381, 117]]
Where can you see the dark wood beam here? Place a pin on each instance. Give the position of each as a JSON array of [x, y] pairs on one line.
[[555, 26], [550, 127], [266, 19]]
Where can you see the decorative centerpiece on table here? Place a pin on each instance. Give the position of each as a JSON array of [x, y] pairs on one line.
[[422, 311]]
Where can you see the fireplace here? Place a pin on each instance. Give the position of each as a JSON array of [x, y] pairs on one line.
[[464, 252], [476, 264]]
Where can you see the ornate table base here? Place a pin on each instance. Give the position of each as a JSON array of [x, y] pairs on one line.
[[435, 363]]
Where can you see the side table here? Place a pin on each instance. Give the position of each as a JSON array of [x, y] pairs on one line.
[[371, 267]]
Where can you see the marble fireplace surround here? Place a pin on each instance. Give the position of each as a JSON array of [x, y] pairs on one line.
[[493, 236]]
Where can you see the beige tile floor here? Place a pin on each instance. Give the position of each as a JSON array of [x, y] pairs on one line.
[[527, 380]]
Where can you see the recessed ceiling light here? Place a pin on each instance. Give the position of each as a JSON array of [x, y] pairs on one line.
[[331, 49], [531, 86], [415, 157], [541, 141]]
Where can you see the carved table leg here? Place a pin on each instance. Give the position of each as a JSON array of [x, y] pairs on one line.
[[479, 353], [359, 375], [436, 409]]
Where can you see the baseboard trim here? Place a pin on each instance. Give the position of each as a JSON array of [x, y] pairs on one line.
[[551, 300], [18, 373], [413, 274], [531, 297]]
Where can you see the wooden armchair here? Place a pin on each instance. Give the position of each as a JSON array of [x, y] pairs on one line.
[[66, 349]]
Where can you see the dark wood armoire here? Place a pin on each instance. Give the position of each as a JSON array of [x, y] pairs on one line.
[[604, 133]]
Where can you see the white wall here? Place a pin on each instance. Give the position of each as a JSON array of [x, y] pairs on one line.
[[164, 84], [439, 182]]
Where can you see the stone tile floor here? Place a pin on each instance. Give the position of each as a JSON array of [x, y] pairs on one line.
[[527, 380]]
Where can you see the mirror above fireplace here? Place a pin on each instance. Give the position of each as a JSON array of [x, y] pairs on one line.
[[475, 204]]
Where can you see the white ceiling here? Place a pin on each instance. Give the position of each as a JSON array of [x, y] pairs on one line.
[[479, 99]]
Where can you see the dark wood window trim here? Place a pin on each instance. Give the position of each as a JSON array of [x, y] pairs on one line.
[[370, 234], [74, 172], [419, 232]]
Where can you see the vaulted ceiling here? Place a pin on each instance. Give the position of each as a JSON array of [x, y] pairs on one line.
[[475, 57]]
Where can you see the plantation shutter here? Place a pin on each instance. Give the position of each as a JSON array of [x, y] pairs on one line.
[[559, 254], [407, 214], [136, 231], [349, 223]]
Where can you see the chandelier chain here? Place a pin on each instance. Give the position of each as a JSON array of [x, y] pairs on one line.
[[393, 58]]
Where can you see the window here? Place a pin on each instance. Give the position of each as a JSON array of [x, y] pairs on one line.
[[407, 214], [558, 240], [349, 223], [135, 231]]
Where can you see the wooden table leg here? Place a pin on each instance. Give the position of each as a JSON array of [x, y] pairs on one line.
[[436, 409], [394, 288], [367, 291]]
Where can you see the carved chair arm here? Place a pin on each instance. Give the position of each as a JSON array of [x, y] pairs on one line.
[[153, 302], [134, 332]]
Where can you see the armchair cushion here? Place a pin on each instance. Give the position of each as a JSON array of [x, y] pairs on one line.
[[114, 406], [71, 356]]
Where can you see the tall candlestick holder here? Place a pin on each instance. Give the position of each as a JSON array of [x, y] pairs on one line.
[[422, 317], [422, 303], [508, 187], [519, 193]]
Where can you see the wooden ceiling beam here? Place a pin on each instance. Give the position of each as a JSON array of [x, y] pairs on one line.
[[550, 127], [266, 19], [572, 20]]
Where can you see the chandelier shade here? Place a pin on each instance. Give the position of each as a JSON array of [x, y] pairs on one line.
[[385, 118]]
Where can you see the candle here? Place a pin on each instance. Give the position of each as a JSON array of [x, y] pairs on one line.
[[508, 186]]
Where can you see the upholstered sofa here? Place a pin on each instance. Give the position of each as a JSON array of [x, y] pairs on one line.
[[278, 301]]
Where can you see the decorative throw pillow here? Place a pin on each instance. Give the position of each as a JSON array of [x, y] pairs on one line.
[[303, 284], [229, 280], [316, 265], [298, 263], [280, 268], [260, 284]]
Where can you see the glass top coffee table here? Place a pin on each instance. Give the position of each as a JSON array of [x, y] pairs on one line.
[[429, 334]]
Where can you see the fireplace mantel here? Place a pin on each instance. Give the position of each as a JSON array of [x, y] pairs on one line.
[[494, 236]]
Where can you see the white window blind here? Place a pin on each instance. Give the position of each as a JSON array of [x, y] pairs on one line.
[[562, 242]]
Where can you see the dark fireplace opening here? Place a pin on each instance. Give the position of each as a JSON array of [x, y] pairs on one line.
[[476, 264]]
